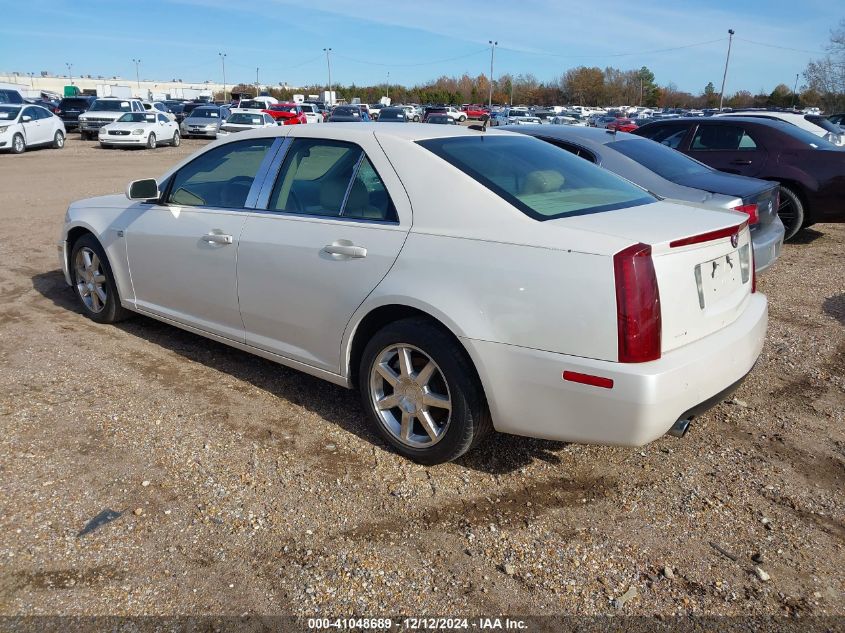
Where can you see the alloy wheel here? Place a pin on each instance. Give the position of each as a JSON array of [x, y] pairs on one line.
[[410, 395], [90, 280]]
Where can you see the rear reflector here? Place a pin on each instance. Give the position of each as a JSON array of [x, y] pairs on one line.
[[753, 273], [638, 317], [751, 210], [587, 379], [708, 237]]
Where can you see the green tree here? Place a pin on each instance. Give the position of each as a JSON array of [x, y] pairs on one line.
[[710, 97]]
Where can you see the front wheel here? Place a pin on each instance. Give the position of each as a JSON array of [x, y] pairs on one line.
[[791, 212], [421, 392], [151, 141], [177, 140], [94, 282], [18, 144], [58, 140], [461, 119]]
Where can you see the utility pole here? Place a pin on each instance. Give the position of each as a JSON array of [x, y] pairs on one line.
[[70, 72], [641, 90], [724, 76], [137, 63], [794, 91], [328, 51], [223, 61], [493, 46], [31, 80], [257, 84], [387, 87], [511, 83]]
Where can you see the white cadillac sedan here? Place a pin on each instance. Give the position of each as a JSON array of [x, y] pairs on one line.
[[140, 129], [462, 280]]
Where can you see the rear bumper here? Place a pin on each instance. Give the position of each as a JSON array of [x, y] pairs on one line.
[[528, 396], [767, 241]]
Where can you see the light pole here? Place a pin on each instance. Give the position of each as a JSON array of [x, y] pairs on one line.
[[31, 80], [727, 60], [223, 62], [137, 63], [69, 72], [328, 51], [490, 96], [387, 86], [794, 91], [257, 84]]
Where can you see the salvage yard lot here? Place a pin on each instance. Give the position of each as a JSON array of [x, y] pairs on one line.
[[246, 487]]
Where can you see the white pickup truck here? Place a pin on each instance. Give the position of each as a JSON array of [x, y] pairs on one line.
[[103, 111]]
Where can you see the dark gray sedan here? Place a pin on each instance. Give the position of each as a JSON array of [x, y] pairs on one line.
[[668, 173]]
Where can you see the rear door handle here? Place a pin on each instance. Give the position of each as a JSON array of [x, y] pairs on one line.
[[346, 249], [740, 162], [217, 238]]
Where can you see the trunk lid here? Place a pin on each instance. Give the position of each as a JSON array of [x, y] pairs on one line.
[[702, 260]]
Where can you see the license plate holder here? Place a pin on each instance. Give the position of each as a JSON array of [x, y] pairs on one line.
[[718, 278]]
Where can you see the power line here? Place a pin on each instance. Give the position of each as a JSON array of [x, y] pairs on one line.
[[429, 63], [602, 56], [784, 48]]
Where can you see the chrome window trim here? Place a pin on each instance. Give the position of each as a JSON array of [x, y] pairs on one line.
[[265, 189], [352, 182]]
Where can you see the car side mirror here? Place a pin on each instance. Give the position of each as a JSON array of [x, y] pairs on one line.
[[146, 189], [26, 118]]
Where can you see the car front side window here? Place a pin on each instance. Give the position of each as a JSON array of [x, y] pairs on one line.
[[722, 137], [221, 177]]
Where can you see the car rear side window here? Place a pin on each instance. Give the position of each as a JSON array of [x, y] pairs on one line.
[[722, 137], [221, 177], [572, 149], [668, 135], [541, 180], [331, 179]]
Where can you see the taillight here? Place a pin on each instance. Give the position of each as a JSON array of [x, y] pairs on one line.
[[56, 111], [637, 305], [751, 210]]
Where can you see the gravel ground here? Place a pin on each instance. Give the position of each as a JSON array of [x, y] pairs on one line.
[[245, 487]]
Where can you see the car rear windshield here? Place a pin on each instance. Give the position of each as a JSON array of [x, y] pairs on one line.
[[662, 160], [75, 102], [253, 105], [111, 105], [205, 113], [543, 181], [137, 117], [808, 138], [243, 118]]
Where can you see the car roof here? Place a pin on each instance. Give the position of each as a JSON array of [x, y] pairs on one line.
[[592, 135]]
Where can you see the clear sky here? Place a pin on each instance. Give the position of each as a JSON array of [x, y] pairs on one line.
[[416, 40]]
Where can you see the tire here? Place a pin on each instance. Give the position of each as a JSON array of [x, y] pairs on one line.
[[104, 146], [791, 212], [461, 119], [151, 141], [58, 140], [84, 136], [176, 141], [90, 279], [18, 144], [451, 380]]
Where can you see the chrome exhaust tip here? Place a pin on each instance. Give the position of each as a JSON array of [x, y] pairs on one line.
[[679, 428]]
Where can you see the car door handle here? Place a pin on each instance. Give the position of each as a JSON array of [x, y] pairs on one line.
[[741, 162], [347, 250], [217, 238]]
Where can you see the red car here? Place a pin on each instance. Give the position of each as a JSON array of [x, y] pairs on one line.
[[474, 111], [622, 125], [287, 113]]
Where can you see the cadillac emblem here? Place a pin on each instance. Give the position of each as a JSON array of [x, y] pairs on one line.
[[735, 239]]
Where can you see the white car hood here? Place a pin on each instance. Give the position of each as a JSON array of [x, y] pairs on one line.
[[128, 126]]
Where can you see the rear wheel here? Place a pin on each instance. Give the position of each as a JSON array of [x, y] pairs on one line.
[[177, 140], [791, 212], [18, 144], [58, 140], [421, 392], [151, 141]]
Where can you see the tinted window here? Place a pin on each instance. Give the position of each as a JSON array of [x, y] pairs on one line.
[[314, 177], [162, 118], [541, 180], [9, 113], [721, 137], [221, 177], [205, 113], [10, 96], [668, 135], [111, 105], [75, 103], [368, 197], [572, 149], [660, 159]]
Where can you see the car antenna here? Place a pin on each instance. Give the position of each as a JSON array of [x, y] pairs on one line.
[[483, 127]]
